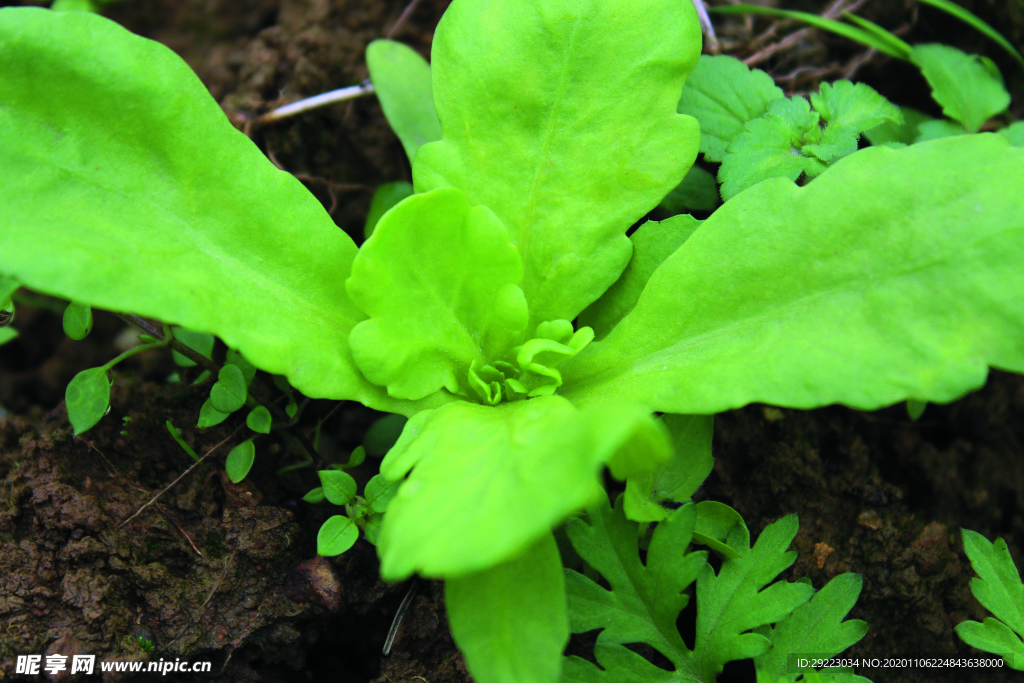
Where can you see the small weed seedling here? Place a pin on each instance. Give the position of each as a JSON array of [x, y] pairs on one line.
[[502, 308], [999, 590]]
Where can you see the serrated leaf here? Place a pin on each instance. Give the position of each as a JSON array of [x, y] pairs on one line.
[[210, 416], [510, 620], [697, 192], [895, 298], [315, 496], [969, 87], [736, 600], [769, 147], [439, 281], [723, 94], [680, 478], [77, 321], [87, 398], [229, 393], [559, 113], [240, 460], [849, 110], [379, 492], [815, 628], [653, 242], [258, 420], [247, 368], [154, 212], [487, 482], [385, 197], [336, 535], [200, 342], [339, 487], [401, 79]]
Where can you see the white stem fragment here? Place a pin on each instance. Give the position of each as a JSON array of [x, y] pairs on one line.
[[310, 103]]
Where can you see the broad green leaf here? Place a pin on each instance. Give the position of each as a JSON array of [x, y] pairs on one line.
[[904, 133], [848, 109], [210, 416], [339, 487], [868, 38], [510, 620], [653, 242], [87, 398], [383, 434], [560, 116], [1014, 133], [229, 393], [680, 478], [247, 368], [336, 535], [697, 192], [7, 334], [814, 628], [439, 281], [239, 460], [769, 147], [970, 19], [379, 492], [77, 321], [736, 600], [401, 79], [386, 196], [315, 496], [258, 420], [996, 637], [200, 342], [126, 188], [723, 94], [938, 128], [487, 482], [969, 87], [803, 297]]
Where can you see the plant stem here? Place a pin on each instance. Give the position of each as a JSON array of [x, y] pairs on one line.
[[310, 103]]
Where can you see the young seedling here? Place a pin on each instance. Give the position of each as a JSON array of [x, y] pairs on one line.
[[999, 590]]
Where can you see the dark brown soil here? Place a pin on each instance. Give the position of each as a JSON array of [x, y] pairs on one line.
[[223, 572]]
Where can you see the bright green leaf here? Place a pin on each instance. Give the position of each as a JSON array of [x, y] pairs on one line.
[[938, 128], [383, 434], [996, 637], [336, 535], [678, 479], [7, 288], [126, 188], [1014, 133], [210, 416], [720, 528], [87, 398], [970, 19], [969, 87], [258, 420], [247, 368], [909, 295], [355, 459], [239, 460], [386, 196], [998, 587], [339, 487], [372, 528], [723, 94], [697, 192], [7, 334], [487, 481], [200, 342], [510, 620], [379, 492], [229, 393], [439, 282], [560, 116], [848, 109], [815, 627], [905, 133], [653, 242], [401, 79], [315, 495], [77, 321]]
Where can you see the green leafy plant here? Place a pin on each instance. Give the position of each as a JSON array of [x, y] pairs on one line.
[[893, 275], [999, 589]]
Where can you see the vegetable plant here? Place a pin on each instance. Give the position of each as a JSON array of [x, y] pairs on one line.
[[503, 309]]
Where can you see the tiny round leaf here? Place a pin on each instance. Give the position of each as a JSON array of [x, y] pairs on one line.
[[210, 416], [259, 420], [337, 535], [315, 496], [87, 398], [229, 393], [240, 460], [77, 321], [339, 487]]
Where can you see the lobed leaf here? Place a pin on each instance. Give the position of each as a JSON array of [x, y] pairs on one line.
[[401, 79], [894, 275], [439, 280], [510, 620], [969, 87], [126, 188], [723, 94], [560, 116]]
